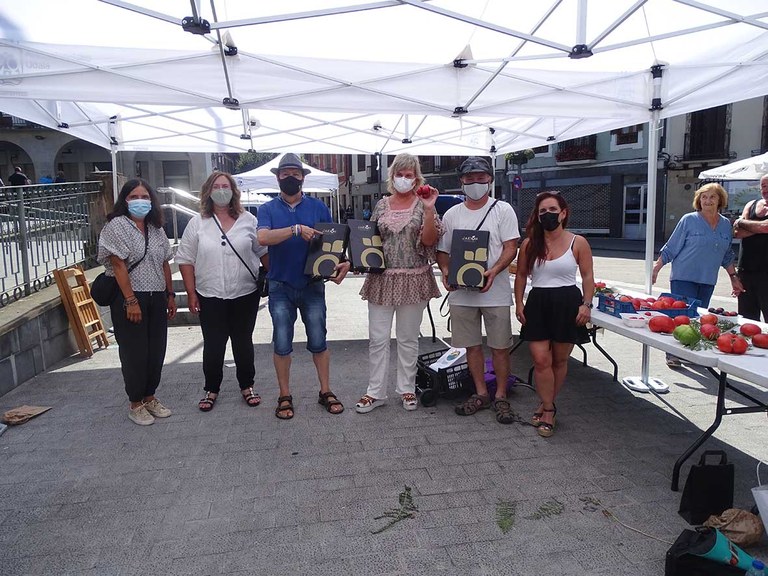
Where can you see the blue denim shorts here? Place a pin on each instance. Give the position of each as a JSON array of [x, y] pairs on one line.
[[284, 302]]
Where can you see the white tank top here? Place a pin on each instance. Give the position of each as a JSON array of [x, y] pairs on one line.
[[556, 273]]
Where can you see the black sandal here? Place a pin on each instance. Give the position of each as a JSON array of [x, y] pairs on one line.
[[251, 399], [206, 404], [329, 400], [503, 409], [288, 401]]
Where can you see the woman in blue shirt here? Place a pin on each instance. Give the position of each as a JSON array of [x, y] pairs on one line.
[[698, 246]]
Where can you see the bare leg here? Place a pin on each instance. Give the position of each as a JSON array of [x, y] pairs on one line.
[[476, 363], [322, 362], [561, 352], [541, 352], [501, 368]]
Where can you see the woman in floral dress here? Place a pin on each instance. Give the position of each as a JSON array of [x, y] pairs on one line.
[[410, 229]]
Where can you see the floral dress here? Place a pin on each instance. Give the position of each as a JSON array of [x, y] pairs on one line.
[[408, 278]]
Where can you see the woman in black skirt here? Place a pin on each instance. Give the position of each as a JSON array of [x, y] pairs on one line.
[[555, 313]]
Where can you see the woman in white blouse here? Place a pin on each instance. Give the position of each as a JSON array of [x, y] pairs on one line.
[[219, 259]]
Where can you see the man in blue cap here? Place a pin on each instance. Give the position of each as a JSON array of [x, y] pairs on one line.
[[491, 305], [286, 226]]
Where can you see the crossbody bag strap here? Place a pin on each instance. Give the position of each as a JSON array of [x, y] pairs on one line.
[[146, 246], [486, 214], [224, 235]]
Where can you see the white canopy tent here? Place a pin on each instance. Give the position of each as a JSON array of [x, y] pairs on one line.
[[425, 76], [262, 177], [753, 168]]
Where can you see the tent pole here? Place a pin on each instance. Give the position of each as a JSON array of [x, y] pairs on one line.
[[115, 191], [645, 383]]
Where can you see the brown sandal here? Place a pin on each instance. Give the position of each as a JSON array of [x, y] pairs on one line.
[[284, 409], [473, 404], [251, 398], [329, 400], [503, 409], [546, 429]]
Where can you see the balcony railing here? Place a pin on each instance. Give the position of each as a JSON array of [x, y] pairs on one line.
[[577, 150]]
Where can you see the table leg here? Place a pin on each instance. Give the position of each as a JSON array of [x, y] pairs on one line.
[[432, 323], [593, 336], [707, 433], [584, 355]]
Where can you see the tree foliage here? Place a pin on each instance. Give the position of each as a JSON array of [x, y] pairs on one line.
[[250, 160]]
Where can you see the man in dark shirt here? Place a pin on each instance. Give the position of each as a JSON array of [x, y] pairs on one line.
[[18, 178], [752, 228]]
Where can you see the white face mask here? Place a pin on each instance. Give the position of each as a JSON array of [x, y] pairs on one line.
[[476, 191], [221, 196], [403, 185]]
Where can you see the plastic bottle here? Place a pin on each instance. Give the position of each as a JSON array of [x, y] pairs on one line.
[[758, 569]]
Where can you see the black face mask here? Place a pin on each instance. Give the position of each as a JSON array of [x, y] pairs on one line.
[[290, 185], [550, 221]]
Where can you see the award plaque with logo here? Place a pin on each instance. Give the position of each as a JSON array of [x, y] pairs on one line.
[[365, 248], [469, 259], [326, 250]]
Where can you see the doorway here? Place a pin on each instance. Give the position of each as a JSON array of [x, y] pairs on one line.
[[635, 211]]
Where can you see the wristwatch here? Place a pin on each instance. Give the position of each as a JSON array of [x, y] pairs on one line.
[[588, 304]]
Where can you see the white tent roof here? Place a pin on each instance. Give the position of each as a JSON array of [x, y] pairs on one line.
[[262, 177], [316, 76], [753, 168]]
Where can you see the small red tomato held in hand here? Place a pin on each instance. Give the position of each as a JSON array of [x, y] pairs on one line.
[[424, 191]]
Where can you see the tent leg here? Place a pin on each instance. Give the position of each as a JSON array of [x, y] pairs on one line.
[[644, 383], [115, 191]]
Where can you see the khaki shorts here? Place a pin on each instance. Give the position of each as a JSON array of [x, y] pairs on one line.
[[466, 328]]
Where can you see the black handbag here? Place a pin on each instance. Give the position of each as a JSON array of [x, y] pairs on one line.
[[708, 489], [104, 289]]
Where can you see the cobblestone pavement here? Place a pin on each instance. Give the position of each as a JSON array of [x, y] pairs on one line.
[[236, 491]]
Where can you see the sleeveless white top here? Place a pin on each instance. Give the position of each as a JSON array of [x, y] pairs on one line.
[[556, 273]]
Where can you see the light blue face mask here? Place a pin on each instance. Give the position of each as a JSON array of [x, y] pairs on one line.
[[139, 208]]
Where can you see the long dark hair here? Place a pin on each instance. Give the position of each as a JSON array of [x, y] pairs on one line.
[[155, 216], [537, 248]]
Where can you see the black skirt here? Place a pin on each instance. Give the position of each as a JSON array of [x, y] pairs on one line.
[[550, 314]]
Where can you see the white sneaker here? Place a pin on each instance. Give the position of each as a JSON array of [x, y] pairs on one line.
[[156, 409], [140, 416], [368, 403], [409, 402]]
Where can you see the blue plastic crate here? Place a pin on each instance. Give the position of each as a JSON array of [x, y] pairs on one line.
[[691, 311], [610, 304]]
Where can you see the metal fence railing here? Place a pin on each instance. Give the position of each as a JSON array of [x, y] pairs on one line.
[[44, 227]]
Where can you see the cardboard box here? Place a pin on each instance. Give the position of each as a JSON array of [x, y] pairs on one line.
[[326, 251], [469, 259], [365, 251]]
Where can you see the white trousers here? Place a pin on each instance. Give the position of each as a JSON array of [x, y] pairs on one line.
[[407, 334]]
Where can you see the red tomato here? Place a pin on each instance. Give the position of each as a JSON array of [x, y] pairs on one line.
[[679, 304], [663, 324], [725, 343], [659, 305], [625, 299], [424, 191], [750, 329], [667, 300], [638, 303], [760, 340], [710, 331], [708, 319], [650, 300], [740, 345], [680, 320]]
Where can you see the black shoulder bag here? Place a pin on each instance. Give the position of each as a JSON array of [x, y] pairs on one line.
[[104, 289], [261, 285]]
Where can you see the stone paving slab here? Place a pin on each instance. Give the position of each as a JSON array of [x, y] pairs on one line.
[[236, 491]]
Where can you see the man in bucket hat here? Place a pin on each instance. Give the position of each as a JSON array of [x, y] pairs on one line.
[[491, 305], [286, 226]]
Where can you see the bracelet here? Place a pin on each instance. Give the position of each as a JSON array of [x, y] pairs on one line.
[[170, 294], [132, 301]]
